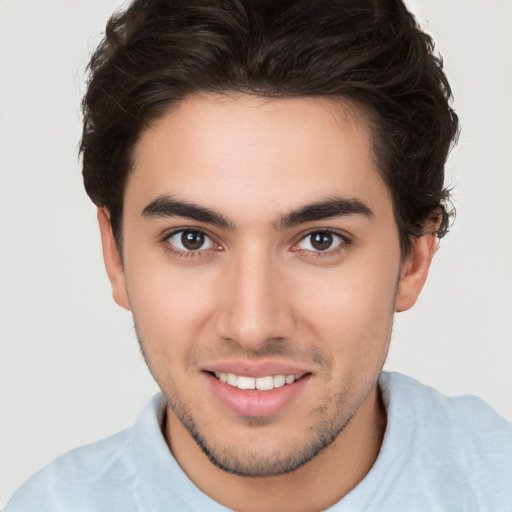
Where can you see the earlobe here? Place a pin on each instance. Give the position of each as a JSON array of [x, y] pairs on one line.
[[112, 259], [414, 271]]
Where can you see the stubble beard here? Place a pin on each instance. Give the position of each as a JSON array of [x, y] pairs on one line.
[[236, 461], [331, 419]]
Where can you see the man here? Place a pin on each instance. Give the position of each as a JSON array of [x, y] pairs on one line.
[[269, 182]]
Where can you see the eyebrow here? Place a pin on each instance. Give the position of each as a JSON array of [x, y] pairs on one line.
[[333, 207], [166, 206]]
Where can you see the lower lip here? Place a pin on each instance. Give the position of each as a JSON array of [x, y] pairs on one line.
[[253, 403]]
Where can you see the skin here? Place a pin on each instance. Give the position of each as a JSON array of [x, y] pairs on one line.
[[258, 290]]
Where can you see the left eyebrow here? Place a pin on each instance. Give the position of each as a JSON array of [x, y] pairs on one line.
[[166, 206], [334, 207]]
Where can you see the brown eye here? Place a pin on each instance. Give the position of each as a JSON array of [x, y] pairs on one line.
[[190, 240], [320, 241]]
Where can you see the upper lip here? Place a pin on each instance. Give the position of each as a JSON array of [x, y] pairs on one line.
[[255, 368]]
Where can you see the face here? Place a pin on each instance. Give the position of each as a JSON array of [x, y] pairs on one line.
[[261, 262]]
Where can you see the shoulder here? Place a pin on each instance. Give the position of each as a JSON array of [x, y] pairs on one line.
[[94, 477], [468, 416], [83, 477], [457, 445], [131, 471]]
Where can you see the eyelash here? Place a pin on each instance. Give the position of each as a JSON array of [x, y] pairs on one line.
[[188, 253], [345, 242]]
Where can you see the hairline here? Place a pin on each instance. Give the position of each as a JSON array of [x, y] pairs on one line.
[[350, 109]]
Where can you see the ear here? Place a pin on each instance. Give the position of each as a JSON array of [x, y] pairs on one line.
[[414, 271], [112, 259]]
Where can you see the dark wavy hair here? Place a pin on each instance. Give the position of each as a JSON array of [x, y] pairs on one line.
[[157, 52]]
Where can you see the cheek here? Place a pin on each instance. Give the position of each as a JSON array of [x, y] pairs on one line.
[[353, 306], [170, 306]]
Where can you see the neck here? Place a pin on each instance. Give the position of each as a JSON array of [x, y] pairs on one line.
[[315, 486]]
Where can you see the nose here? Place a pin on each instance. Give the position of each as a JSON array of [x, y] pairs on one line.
[[254, 309]]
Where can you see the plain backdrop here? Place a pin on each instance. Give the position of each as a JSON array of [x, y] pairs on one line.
[[70, 368]]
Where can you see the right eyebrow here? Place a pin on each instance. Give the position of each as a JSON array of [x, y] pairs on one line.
[[333, 207], [166, 206]]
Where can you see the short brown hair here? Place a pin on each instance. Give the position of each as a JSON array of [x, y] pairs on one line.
[[158, 52]]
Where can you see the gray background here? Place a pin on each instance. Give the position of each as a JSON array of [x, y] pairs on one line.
[[70, 369]]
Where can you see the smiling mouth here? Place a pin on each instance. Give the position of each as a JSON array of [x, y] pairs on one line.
[[265, 383]]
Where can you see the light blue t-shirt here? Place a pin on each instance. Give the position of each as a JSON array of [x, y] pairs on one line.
[[438, 454]]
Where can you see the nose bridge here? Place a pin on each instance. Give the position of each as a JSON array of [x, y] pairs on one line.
[[254, 310]]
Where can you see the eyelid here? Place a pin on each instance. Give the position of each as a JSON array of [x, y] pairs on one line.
[[345, 241], [179, 229], [343, 244], [208, 242], [187, 252]]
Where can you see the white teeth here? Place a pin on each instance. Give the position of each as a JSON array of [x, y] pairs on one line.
[[260, 383], [279, 380], [289, 379], [246, 383], [264, 383]]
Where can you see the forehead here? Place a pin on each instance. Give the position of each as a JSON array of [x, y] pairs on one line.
[[246, 152]]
